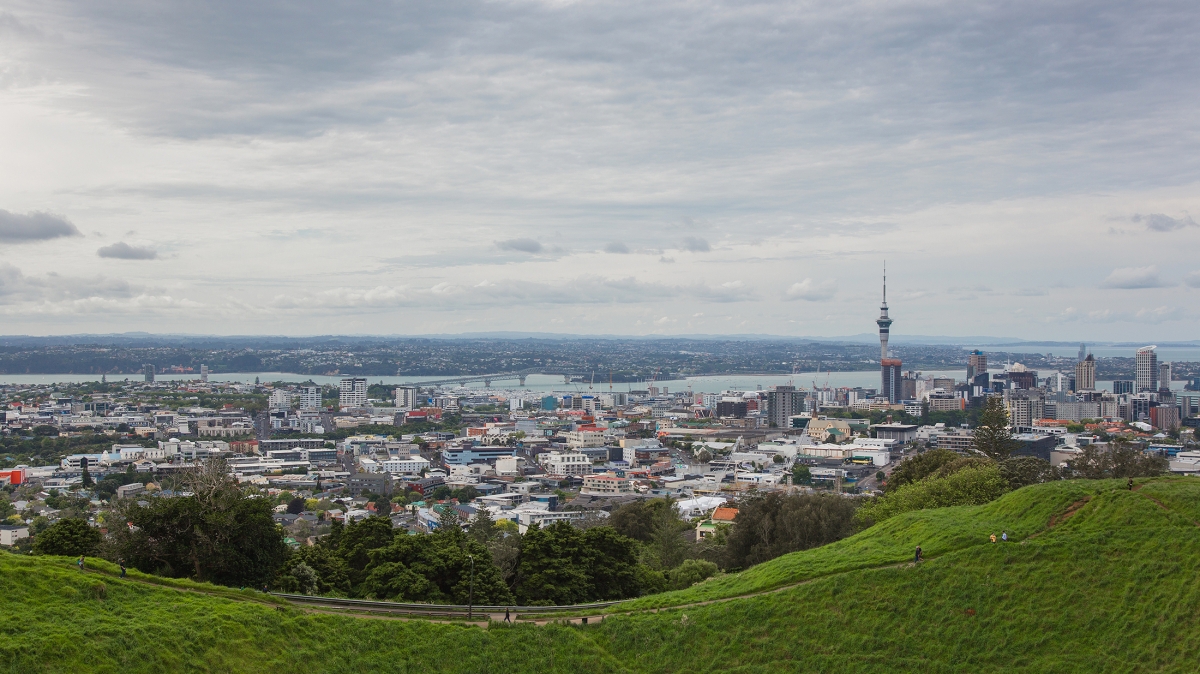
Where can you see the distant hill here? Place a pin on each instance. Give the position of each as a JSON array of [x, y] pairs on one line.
[[1094, 578]]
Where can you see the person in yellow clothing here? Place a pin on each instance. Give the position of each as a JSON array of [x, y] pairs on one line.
[[993, 537]]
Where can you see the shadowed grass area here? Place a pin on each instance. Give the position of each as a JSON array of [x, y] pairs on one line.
[[1111, 589]]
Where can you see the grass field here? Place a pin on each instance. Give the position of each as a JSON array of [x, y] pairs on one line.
[[1114, 588]]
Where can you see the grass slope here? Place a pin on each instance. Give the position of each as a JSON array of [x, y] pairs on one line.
[[1112, 588]]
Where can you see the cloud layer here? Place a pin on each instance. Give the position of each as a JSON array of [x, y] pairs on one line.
[[613, 167]]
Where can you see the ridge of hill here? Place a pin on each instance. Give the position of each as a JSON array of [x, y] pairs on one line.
[[1094, 578]]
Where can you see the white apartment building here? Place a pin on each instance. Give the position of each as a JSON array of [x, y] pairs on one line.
[[405, 465], [310, 397], [581, 439], [352, 393], [568, 464], [279, 399], [407, 398]]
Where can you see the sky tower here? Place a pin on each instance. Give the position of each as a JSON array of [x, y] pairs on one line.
[[884, 322]]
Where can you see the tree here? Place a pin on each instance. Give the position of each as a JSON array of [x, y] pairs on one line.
[[314, 570], [435, 568], [993, 437], [919, 467], [481, 527], [295, 506], [216, 534], [1119, 460], [772, 525], [1022, 471], [86, 480], [801, 474], [562, 565], [778, 458], [67, 537], [359, 539], [635, 520]]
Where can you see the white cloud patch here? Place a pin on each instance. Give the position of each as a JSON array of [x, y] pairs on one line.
[[36, 226], [1133, 278], [811, 291]]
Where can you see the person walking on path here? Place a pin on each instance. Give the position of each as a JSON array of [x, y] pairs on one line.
[[1004, 536], [80, 562], [917, 556], [1131, 484], [122, 569], [993, 537], [507, 618]]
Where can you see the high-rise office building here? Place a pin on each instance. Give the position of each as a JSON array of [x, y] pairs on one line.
[[1085, 374], [1082, 351], [782, 403], [406, 398], [203, 372], [148, 370], [1146, 369], [352, 393], [279, 399], [1122, 386], [976, 365], [1164, 376], [310, 397], [892, 388]]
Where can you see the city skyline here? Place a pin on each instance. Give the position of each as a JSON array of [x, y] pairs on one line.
[[619, 169]]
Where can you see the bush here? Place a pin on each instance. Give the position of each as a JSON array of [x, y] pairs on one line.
[[919, 467], [974, 485], [689, 573], [69, 538]]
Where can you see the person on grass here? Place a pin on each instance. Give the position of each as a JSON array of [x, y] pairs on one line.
[[993, 537], [1004, 536], [80, 562], [917, 556]]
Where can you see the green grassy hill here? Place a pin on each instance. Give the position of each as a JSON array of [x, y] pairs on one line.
[[1113, 587]]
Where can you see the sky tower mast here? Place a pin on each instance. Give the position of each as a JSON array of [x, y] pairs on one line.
[[883, 322]]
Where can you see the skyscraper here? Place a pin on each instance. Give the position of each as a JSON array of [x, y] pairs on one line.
[[1085, 374], [976, 365], [148, 369], [893, 387], [782, 403], [1164, 376], [1146, 369]]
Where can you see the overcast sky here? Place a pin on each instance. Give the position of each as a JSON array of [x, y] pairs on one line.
[[1027, 169]]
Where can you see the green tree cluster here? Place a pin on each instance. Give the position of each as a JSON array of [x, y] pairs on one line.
[[217, 533], [70, 537], [971, 485], [775, 524]]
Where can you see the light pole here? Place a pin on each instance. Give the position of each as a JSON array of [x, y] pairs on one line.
[[471, 595]]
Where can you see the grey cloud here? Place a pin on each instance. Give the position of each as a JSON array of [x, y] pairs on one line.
[[695, 244], [1192, 280], [616, 247], [123, 251], [36, 226], [1132, 278], [1157, 222], [522, 245], [16, 287]]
